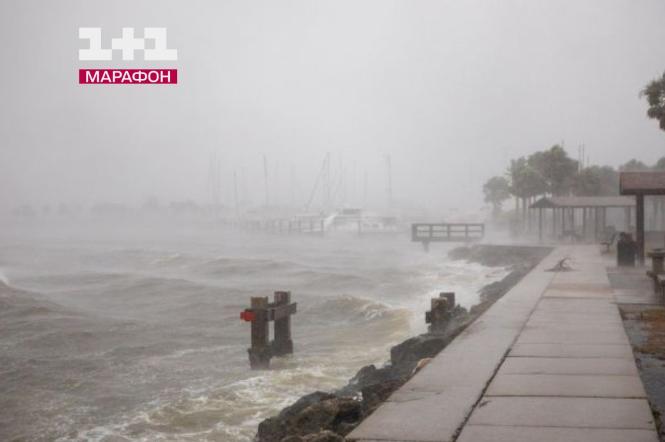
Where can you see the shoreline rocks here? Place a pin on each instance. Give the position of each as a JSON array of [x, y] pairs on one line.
[[328, 417]]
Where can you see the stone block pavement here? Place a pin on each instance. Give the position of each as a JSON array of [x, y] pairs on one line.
[[548, 362]]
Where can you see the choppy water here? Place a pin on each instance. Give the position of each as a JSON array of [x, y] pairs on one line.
[[136, 336]]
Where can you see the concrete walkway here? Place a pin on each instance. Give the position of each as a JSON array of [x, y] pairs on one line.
[[550, 361]]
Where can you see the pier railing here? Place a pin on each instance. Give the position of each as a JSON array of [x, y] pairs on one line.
[[314, 226], [447, 232]]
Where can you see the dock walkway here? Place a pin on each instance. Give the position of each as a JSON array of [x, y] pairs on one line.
[[550, 361]]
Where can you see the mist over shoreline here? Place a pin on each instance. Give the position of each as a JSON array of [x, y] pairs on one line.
[[447, 90]]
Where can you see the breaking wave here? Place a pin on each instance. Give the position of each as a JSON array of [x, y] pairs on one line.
[[351, 309]]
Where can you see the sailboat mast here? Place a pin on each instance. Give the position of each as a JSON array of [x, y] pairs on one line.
[[390, 180], [265, 178]]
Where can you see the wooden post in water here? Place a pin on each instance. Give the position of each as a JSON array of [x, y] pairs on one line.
[[260, 314], [283, 344], [449, 297], [439, 312], [259, 353]]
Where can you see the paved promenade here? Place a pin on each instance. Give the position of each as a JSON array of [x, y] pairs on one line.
[[549, 362]]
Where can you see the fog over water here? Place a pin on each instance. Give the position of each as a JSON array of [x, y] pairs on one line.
[[135, 333]]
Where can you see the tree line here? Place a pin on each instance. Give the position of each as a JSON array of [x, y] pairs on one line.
[[553, 172]]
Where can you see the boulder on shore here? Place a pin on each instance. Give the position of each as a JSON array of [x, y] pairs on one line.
[[312, 414]]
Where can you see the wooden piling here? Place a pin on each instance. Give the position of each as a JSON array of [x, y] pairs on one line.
[[260, 314], [449, 297], [260, 353], [439, 313], [283, 344]]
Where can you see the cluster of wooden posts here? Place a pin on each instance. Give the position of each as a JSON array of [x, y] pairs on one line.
[[262, 312]]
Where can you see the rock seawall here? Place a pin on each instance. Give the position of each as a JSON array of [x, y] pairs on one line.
[[328, 417]]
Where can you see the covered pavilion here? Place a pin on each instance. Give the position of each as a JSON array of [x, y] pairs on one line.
[[593, 210]]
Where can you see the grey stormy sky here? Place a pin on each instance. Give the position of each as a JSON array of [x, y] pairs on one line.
[[449, 89]]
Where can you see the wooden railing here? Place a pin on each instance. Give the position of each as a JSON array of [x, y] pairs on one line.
[[312, 225], [447, 232]]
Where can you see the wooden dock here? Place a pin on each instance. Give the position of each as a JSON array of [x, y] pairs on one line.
[[301, 226], [446, 232]]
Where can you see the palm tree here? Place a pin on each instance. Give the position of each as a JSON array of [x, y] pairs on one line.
[[496, 190], [556, 168], [525, 182], [655, 94]]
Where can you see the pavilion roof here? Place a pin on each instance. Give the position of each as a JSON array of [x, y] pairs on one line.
[[645, 183], [583, 201]]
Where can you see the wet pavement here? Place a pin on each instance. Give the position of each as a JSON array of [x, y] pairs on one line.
[[550, 362]]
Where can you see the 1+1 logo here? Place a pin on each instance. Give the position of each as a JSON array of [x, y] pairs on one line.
[[128, 44]]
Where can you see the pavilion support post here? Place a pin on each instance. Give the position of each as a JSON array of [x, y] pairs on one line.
[[563, 220], [597, 231], [540, 224], [639, 226], [553, 222], [584, 223], [603, 218]]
